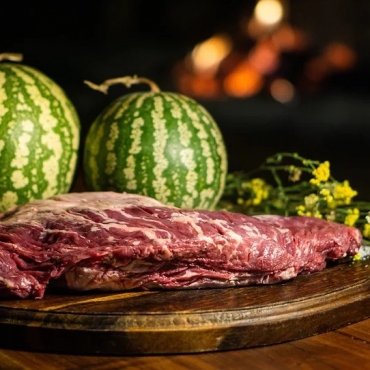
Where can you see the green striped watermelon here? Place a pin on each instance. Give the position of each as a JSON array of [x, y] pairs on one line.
[[39, 136], [160, 144]]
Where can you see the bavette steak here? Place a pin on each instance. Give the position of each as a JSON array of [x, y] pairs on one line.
[[114, 241]]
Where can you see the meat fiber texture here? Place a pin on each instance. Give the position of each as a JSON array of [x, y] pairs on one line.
[[113, 241]]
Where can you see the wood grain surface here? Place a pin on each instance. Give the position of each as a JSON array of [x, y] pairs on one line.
[[188, 321], [342, 349]]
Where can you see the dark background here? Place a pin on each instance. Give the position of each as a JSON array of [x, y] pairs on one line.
[[71, 41]]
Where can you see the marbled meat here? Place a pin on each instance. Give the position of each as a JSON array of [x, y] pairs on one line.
[[113, 241]]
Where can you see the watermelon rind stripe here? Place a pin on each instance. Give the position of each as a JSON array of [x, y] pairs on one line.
[[39, 136], [163, 145]]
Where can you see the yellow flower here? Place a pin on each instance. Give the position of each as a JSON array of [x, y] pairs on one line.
[[366, 231], [311, 200], [325, 192], [310, 207], [327, 196], [294, 173], [301, 209], [331, 216], [352, 216], [321, 173], [259, 191], [342, 194], [357, 257], [345, 192]]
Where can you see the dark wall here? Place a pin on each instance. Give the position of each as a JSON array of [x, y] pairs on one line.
[[75, 40]]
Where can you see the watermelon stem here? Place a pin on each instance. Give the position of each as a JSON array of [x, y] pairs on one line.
[[14, 57], [127, 81]]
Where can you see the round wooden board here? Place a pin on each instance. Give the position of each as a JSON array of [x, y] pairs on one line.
[[189, 321]]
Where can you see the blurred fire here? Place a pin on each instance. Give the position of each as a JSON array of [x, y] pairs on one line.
[[243, 81], [217, 68], [207, 56]]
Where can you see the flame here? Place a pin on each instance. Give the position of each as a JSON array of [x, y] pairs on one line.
[[287, 39], [269, 12], [335, 57], [204, 86], [243, 81], [264, 57], [223, 66], [207, 56]]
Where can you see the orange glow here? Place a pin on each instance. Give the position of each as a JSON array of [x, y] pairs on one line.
[[287, 38], [255, 29], [245, 64], [335, 57], [282, 90], [264, 57], [244, 81], [206, 87], [207, 56], [269, 12], [340, 56]]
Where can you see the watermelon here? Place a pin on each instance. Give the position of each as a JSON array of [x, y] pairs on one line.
[[160, 144], [39, 136]]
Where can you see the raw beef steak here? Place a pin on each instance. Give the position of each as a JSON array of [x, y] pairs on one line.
[[112, 241]]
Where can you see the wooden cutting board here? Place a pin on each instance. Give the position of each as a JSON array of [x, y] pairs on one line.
[[189, 321]]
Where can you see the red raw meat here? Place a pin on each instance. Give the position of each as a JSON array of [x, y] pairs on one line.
[[112, 241]]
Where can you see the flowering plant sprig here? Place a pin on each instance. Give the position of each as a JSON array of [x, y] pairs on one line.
[[289, 184]]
